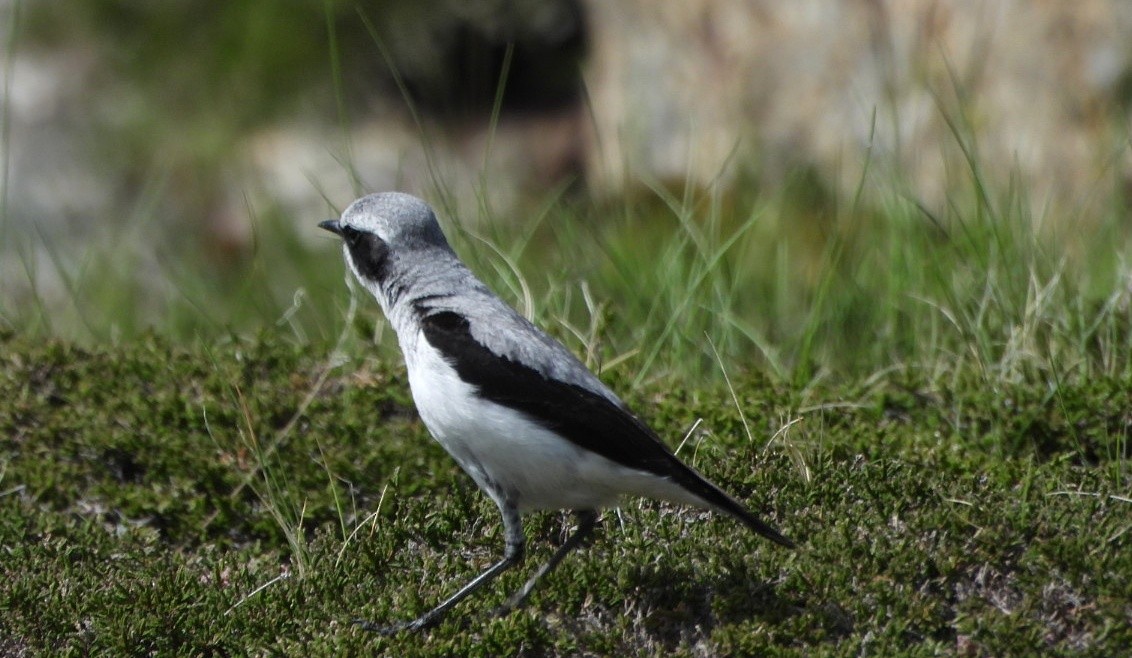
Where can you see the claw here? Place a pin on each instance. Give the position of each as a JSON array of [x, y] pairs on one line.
[[387, 630]]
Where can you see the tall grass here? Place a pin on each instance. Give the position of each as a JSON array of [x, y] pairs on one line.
[[645, 284], [875, 288], [796, 282]]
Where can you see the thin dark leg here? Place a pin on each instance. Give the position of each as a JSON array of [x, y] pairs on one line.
[[512, 555], [586, 521]]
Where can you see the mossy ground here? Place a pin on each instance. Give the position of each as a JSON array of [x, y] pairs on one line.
[[942, 418], [253, 497]]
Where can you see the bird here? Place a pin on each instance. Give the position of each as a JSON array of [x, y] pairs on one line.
[[533, 427]]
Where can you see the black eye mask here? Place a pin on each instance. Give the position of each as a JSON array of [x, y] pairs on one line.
[[369, 253]]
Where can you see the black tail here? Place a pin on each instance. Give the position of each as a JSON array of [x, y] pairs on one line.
[[699, 486], [736, 509]]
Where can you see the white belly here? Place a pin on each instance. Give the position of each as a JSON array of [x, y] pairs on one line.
[[513, 458]]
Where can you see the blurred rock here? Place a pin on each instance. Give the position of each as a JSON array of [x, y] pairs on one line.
[[700, 90], [51, 182], [303, 168], [694, 91], [52, 186]]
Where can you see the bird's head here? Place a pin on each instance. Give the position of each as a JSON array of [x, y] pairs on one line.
[[377, 227]]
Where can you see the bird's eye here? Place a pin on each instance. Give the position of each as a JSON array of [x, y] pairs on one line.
[[369, 252], [351, 235]]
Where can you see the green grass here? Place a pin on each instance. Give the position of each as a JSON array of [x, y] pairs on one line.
[[846, 292], [139, 515], [226, 461], [205, 457], [211, 460]]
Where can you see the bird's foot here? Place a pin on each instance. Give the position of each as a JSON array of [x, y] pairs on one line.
[[417, 624], [513, 603], [503, 610]]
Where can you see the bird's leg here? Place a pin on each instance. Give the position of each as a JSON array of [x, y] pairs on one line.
[[586, 520], [512, 555]]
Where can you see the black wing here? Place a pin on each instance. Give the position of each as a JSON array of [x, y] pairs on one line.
[[587, 419]]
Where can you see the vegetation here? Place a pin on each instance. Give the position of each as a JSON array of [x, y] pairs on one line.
[[938, 410], [937, 407], [250, 496]]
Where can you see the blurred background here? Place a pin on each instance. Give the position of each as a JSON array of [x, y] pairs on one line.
[[818, 179]]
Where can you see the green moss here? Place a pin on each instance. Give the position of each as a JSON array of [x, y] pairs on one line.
[[137, 515]]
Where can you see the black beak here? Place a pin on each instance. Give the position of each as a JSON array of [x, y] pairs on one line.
[[331, 225]]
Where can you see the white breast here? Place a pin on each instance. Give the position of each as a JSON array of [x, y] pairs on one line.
[[511, 457]]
